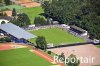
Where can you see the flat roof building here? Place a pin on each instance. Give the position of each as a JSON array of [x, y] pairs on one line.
[[78, 31], [16, 33]]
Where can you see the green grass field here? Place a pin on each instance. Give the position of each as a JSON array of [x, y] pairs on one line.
[[56, 36], [17, 7], [21, 57], [32, 12], [98, 46]]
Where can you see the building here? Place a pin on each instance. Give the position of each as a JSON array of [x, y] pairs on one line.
[[17, 34], [78, 31], [65, 26], [5, 19]]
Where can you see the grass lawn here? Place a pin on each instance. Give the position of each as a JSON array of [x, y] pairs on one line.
[[17, 7], [56, 36], [21, 57], [98, 46], [32, 12]]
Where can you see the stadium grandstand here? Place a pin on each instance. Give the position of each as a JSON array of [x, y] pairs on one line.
[[17, 34], [78, 31]]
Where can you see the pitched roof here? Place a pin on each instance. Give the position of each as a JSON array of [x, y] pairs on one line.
[[16, 31]]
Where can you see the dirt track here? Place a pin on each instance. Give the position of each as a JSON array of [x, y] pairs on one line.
[[81, 51]]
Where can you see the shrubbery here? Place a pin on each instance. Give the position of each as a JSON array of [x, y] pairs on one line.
[[5, 39], [49, 52]]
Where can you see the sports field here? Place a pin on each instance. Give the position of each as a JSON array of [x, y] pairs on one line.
[[56, 36], [32, 12], [21, 57]]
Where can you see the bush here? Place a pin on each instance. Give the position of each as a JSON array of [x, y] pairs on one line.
[[41, 42], [40, 21], [49, 52], [5, 39]]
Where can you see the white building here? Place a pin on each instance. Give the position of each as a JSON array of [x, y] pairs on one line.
[[3, 20]]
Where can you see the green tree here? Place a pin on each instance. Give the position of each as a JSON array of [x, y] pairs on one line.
[[22, 20], [41, 42], [62, 57], [82, 13], [40, 21], [7, 2], [74, 61], [62, 10], [14, 13]]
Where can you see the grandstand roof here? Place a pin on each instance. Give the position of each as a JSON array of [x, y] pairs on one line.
[[16, 31], [77, 28]]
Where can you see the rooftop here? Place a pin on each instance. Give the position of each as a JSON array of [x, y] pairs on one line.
[[16, 31]]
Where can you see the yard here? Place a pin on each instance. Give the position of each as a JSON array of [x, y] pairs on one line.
[[98, 46], [17, 7], [21, 57], [56, 36], [32, 12]]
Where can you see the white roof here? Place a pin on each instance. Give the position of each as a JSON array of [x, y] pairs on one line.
[[16, 31]]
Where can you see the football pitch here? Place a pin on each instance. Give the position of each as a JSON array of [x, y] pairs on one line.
[[21, 57], [56, 36]]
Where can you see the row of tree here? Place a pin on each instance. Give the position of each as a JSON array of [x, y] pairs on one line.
[[6, 2], [82, 13]]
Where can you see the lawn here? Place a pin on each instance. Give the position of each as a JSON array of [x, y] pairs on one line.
[[98, 46], [17, 7], [32, 12], [21, 57], [56, 36]]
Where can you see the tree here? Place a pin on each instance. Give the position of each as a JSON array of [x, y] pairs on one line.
[[14, 14], [7, 2], [41, 42], [22, 20], [40, 21], [74, 61], [82, 13], [62, 57], [62, 10]]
